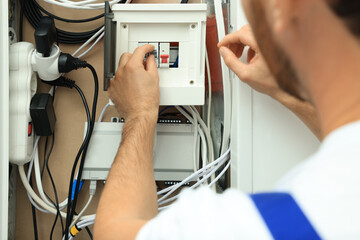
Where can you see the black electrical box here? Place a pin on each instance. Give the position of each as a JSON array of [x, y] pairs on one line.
[[43, 114]]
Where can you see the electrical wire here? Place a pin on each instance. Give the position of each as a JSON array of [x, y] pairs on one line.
[[195, 153], [87, 136], [33, 197], [101, 30], [191, 177], [207, 174], [82, 211], [87, 4], [205, 170], [46, 163], [34, 15], [226, 78], [210, 89], [92, 46], [82, 152], [103, 112], [33, 213], [164, 109], [65, 19]]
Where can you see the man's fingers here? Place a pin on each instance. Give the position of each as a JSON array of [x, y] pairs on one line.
[[151, 65], [238, 67], [139, 54], [124, 59], [232, 38], [244, 37]]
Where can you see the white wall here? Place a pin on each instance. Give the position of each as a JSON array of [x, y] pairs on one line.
[[4, 118], [267, 139]]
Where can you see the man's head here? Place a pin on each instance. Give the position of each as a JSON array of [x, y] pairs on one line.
[[262, 15]]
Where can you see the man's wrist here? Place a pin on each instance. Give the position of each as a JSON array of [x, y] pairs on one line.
[[145, 120], [281, 96]]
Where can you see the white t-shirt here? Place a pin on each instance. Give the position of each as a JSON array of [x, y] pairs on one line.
[[326, 187]]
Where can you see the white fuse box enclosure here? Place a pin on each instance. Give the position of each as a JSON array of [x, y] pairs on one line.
[[171, 162], [175, 29]]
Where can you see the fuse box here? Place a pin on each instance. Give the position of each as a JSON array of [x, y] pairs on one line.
[[178, 35]]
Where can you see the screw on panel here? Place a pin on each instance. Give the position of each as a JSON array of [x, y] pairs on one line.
[[193, 26], [124, 26], [192, 82]]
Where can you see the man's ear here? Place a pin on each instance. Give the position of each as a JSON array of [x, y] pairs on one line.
[[285, 15]]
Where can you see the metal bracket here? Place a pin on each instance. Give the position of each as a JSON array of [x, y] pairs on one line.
[[109, 46]]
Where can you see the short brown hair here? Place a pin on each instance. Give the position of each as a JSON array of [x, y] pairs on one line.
[[349, 11]]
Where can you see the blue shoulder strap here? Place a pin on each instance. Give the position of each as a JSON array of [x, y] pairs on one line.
[[283, 217]]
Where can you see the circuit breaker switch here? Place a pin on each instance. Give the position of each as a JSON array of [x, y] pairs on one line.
[[164, 55], [155, 52]]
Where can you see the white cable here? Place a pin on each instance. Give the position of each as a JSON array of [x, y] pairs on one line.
[[208, 175], [92, 46], [34, 195], [196, 174], [207, 134], [206, 130], [83, 224], [29, 175], [38, 180], [36, 198], [103, 112], [221, 174], [89, 41], [86, 4], [210, 89], [203, 147], [191, 177], [82, 211], [226, 78], [91, 219], [195, 155]]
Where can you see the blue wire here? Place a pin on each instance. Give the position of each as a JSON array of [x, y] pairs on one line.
[[73, 188], [164, 109], [176, 63]]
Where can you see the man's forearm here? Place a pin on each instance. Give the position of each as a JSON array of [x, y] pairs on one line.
[[130, 192], [303, 110]]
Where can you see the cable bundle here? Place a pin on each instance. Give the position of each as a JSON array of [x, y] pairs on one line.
[[33, 12], [84, 4]]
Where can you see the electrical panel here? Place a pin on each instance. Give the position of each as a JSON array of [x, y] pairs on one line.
[[178, 35], [171, 162]]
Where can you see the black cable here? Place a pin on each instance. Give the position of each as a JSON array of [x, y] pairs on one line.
[[33, 14], [58, 215], [21, 24], [87, 230], [71, 211], [65, 19], [184, 1], [87, 136], [33, 212]]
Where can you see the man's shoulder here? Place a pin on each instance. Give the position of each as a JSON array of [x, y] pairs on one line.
[[202, 213]]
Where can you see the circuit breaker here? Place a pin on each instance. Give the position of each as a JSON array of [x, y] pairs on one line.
[[178, 35]]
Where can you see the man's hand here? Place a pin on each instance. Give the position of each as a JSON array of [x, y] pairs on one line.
[[258, 76], [129, 198], [135, 88], [256, 73]]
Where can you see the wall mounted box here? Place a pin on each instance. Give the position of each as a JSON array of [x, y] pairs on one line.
[[171, 162], [128, 26]]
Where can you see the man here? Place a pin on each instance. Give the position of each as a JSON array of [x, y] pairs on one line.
[[312, 49]]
